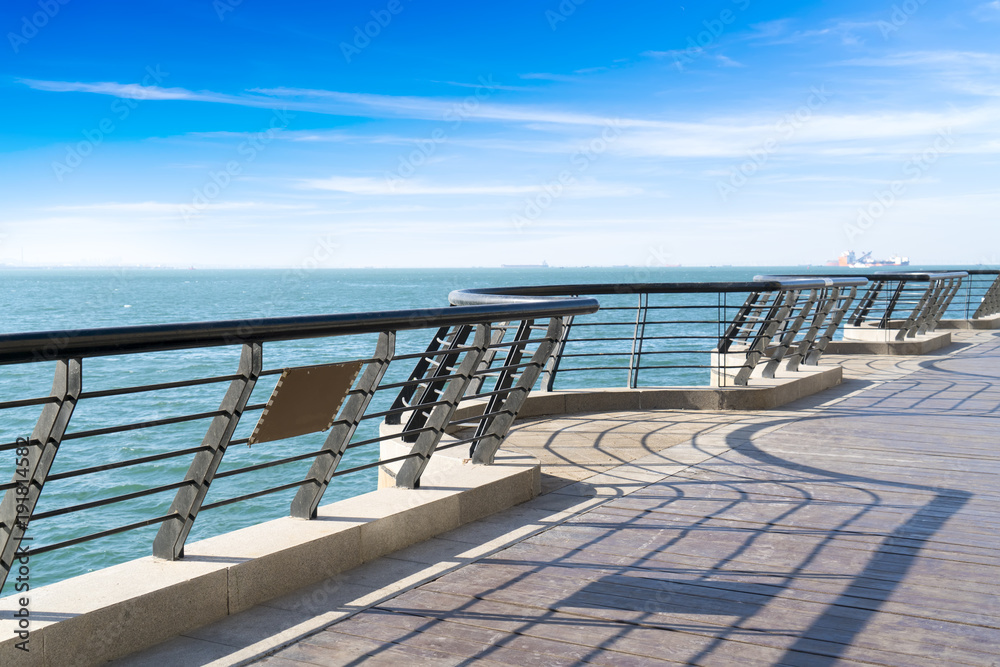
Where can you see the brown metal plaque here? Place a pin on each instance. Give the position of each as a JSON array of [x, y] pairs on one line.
[[305, 400]]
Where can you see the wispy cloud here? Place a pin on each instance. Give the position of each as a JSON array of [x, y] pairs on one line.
[[725, 61], [379, 186], [939, 59], [134, 91], [988, 11], [546, 76], [970, 72], [169, 208]]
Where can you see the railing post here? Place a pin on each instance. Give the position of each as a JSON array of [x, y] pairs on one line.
[[866, 303], [910, 327], [552, 363], [634, 360], [827, 299], [308, 497], [492, 431], [19, 502], [791, 331], [768, 327], [739, 321], [991, 301], [838, 313], [940, 305], [169, 541], [438, 418], [405, 397], [499, 332]]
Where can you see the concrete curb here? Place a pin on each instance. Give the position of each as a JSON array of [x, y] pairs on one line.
[[119, 610]]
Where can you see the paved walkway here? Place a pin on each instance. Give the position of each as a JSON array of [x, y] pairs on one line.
[[859, 526]]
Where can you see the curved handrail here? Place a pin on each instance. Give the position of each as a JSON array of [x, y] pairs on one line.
[[490, 295], [812, 282], [50, 345], [916, 276], [920, 276]]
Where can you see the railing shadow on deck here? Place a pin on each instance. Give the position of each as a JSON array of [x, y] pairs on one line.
[[734, 585]]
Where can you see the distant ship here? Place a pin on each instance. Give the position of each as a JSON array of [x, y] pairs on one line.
[[543, 265], [865, 261]]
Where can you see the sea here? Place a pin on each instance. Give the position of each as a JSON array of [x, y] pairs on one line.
[[47, 300]]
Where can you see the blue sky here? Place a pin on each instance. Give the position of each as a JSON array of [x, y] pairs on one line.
[[414, 133]]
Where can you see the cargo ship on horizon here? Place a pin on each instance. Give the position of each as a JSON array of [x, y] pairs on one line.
[[849, 259]]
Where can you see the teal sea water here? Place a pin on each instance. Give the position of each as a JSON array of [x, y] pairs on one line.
[[55, 299]]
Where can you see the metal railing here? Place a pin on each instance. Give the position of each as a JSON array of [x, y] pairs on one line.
[[176, 459], [672, 334], [912, 303], [428, 386], [909, 302], [980, 297]]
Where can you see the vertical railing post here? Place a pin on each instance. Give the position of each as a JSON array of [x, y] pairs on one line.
[[739, 322], [505, 377], [791, 330], [909, 328], [866, 303], [308, 497], [406, 396], [940, 305], [890, 307], [827, 298], [499, 333], [991, 301], [841, 305], [492, 430], [19, 502], [634, 360], [552, 363], [768, 328], [438, 418], [169, 541]]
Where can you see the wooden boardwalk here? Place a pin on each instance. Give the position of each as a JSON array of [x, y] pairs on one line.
[[860, 527]]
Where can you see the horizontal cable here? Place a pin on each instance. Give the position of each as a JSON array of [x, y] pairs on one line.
[[26, 402], [395, 411], [111, 501], [255, 494], [426, 380], [125, 464], [157, 387], [146, 424], [374, 464], [477, 418], [393, 436], [103, 533], [270, 464]]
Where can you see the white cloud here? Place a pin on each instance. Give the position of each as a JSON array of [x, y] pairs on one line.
[[988, 11], [168, 208], [381, 187]]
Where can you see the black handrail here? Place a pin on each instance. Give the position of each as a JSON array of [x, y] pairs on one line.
[[51, 345]]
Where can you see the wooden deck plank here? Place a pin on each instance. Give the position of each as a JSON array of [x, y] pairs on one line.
[[862, 530]]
